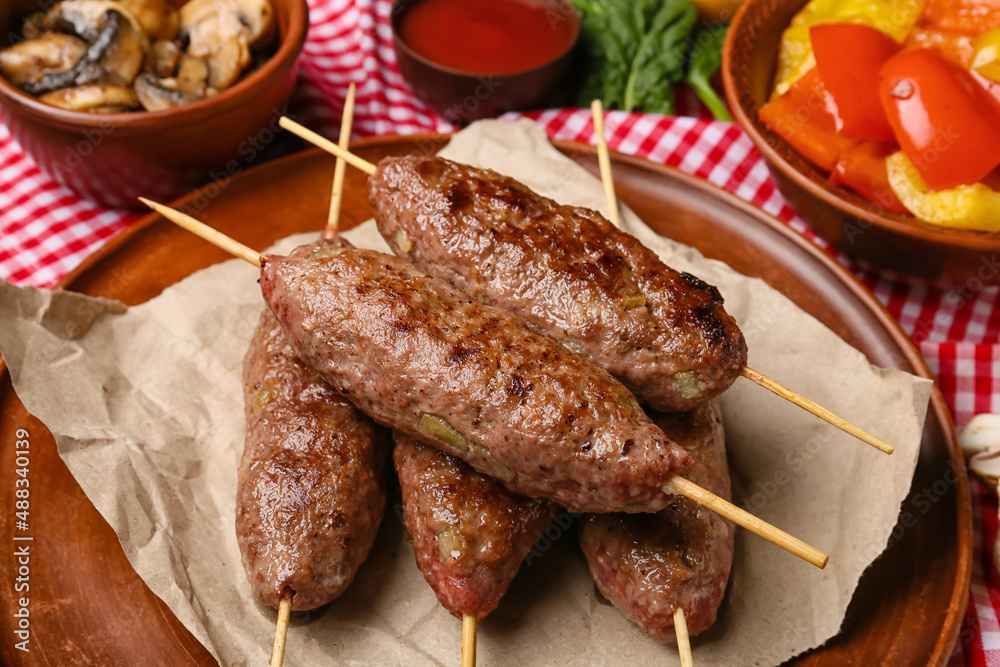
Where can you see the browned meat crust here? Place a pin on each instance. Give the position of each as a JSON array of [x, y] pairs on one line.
[[648, 564], [469, 533], [425, 359], [566, 271], [310, 494]]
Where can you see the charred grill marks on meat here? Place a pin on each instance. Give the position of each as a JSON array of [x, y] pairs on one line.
[[344, 316], [566, 272]]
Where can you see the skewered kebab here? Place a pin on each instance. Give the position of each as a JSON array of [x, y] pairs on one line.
[[469, 533], [311, 489], [312, 463], [610, 257], [649, 565], [384, 334], [427, 360], [442, 549], [566, 272]]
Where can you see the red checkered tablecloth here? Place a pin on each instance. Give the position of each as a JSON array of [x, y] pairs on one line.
[[45, 231]]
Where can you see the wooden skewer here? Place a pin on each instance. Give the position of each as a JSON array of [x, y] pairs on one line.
[[201, 230], [816, 409], [676, 484], [604, 160], [327, 145], [281, 628], [333, 220], [705, 498], [469, 623], [683, 639]]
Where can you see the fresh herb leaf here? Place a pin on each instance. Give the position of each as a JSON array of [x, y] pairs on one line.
[[706, 58], [659, 58], [637, 51]]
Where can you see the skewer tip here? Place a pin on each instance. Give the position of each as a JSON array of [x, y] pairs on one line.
[[604, 162], [327, 145], [337, 193], [281, 628], [683, 638], [201, 230], [814, 408], [684, 487], [469, 626]]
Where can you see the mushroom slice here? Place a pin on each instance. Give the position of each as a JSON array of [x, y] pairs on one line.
[[980, 442], [159, 94], [223, 31], [85, 18], [29, 62], [158, 18], [88, 98], [192, 76], [226, 61], [126, 55], [255, 16], [114, 57], [164, 58]]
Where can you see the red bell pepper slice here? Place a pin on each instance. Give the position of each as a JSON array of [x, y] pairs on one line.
[[945, 122], [849, 57], [802, 116], [863, 169]]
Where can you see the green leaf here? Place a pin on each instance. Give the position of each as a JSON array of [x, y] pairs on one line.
[[706, 58], [636, 51], [659, 61]]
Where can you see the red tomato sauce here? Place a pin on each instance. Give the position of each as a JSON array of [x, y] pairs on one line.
[[486, 36]]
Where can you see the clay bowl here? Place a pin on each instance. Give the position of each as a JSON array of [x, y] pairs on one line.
[[462, 97], [852, 224], [113, 158]]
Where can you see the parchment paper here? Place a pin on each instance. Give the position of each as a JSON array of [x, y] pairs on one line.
[[146, 408]]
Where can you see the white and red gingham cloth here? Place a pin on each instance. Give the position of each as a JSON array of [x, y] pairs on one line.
[[45, 230]]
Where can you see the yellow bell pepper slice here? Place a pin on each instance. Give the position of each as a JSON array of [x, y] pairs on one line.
[[795, 57], [973, 206], [986, 54]]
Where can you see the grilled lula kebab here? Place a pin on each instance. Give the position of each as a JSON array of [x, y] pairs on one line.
[[311, 483], [469, 533], [569, 274], [650, 565], [423, 358]]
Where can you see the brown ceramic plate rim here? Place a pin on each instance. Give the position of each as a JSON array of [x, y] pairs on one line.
[[289, 49], [959, 597], [904, 225], [397, 16]]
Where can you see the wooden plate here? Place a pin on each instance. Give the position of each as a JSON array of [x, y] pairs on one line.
[[87, 605]]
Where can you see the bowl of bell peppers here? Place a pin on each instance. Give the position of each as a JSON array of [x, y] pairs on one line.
[[880, 123]]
